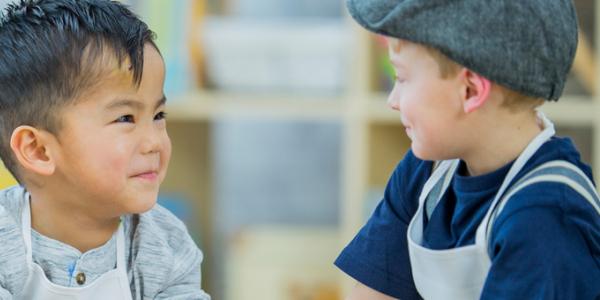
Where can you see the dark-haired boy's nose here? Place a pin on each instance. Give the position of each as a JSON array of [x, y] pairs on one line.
[[151, 141]]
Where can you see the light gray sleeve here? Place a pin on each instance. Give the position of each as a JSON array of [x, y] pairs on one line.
[[4, 294], [13, 270], [186, 278], [168, 257]]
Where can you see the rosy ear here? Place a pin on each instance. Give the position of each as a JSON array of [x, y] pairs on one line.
[[478, 90], [30, 150]]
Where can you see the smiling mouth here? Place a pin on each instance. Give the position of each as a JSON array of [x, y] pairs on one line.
[[408, 131], [150, 175]]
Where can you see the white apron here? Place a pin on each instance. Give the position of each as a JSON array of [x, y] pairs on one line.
[[111, 285], [460, 273]]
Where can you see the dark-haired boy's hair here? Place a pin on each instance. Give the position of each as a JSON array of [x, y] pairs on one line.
[[51, 51]]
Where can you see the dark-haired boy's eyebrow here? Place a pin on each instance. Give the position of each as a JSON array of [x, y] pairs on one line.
[[138, 105], [161, 101]]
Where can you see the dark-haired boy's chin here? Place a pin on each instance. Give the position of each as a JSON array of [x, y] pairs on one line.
[[141, 206]]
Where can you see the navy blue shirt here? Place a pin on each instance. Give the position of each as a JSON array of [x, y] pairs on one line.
[[545, 243]]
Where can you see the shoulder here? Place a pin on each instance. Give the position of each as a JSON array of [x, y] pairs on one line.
[[558, 148], [567, 206], [553, 214], [161, 247], [11, 203], [13, 272], [162, 222], [544, 236], [553, 195], [160, 230], [12, 200]]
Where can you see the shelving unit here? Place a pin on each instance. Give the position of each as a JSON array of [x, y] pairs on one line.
[[372, 138]]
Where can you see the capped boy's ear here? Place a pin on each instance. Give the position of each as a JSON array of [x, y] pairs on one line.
[[477, 90], [30, 147]]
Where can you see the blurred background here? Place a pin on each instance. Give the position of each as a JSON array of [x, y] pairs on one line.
[[282, 141]]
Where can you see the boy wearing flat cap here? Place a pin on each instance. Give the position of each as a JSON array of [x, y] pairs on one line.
[[488, 203]]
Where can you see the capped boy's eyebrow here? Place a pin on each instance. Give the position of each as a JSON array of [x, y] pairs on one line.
[[396, 63], [134, 103]]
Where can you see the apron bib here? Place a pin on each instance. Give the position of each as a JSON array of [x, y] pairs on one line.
[[111, 285], [458, 273]]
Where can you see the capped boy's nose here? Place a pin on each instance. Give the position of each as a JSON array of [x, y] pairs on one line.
[[392, 103]]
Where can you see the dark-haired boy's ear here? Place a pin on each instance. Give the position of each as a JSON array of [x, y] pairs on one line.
[[29, 145], [476, 90]]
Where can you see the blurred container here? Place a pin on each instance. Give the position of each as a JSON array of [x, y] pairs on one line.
[[303, 56], [285, 8], [283, 263], [271, 174], [275, 172]]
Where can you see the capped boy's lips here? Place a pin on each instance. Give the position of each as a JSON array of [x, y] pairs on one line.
[[408, 130], [149, 175]]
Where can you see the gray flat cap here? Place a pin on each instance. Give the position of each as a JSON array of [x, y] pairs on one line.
[[525, 45]]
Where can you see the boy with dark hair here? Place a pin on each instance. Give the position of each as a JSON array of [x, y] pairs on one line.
[[509, 211], [82, 128]]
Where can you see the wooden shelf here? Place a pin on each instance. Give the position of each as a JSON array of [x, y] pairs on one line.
[[372, 140], [572, 111], [210, 106]]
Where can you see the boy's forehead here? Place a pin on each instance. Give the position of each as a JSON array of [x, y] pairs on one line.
[[401, 49], [104, 71], [113, 80], [110, 79], [394, 43], [105, 86], [399, 45]]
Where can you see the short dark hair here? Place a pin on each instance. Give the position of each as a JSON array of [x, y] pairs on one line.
[[51, 51]]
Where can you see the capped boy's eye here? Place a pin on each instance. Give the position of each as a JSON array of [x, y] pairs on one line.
[[160, 116], [125, 119], [398, 79]]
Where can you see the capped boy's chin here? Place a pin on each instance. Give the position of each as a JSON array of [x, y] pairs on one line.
[[422, 153]]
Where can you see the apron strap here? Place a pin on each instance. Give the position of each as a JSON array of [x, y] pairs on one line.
[[436, 193], [26, 226], [558, 171], [121, 246]]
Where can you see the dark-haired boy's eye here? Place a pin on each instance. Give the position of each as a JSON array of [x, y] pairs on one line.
[[160, 116], [125, 119]]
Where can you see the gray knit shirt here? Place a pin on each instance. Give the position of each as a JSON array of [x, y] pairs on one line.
[[163, 262]]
